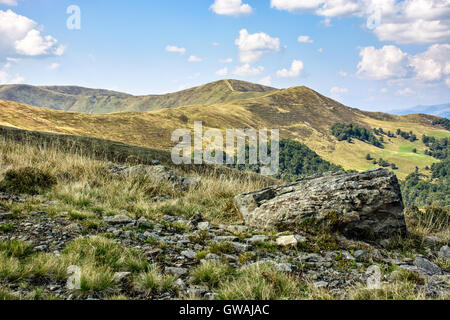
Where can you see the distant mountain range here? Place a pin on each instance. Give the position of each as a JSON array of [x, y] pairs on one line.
[[300, 114], [440, 110], [72, 98]]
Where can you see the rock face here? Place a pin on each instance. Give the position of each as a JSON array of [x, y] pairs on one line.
[[367, 205]]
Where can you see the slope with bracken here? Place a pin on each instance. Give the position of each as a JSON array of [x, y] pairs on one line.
[[300, 113], [78, 99]]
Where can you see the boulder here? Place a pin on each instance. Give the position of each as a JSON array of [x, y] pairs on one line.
[[363, 205]]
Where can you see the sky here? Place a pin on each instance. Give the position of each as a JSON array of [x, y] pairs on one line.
[[378, 55]]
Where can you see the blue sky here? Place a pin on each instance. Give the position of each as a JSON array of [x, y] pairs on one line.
[[400, 60]]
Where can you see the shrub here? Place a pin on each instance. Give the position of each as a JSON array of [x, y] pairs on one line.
[[27, 181]]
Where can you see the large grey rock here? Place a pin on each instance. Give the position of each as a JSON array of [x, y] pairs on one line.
[[367, 204], [427, 266]]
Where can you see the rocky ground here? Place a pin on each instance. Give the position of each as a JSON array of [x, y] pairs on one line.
[[178, 246]]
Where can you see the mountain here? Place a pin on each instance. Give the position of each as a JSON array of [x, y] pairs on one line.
[[299, 113], [440, 110], [78, 99]]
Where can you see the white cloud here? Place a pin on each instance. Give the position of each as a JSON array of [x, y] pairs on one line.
[[195, 59], [432, 64], [247, 70], [222, 72], [176, 49], [266, 81], [295, 5], [405, 92], [253, 46], [9, 2], [294, 71], [216, 44], [420, 31], [338, 8], [343, 74], [54, 66], [304, 39], [384, 90], [36, 45], [378, 64], [390, 62], [19, 36], [228, 60], [447, 82], [320, 50], [405, 21], [231, 7]]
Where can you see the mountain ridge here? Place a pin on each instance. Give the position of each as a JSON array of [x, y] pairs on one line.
[[88, 100]]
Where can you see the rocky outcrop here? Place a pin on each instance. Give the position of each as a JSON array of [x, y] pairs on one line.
[[157, 172], [364, 205]]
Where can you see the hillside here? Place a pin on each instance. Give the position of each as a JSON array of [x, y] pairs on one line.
[[300, 113], [77, 99], [126, 235]]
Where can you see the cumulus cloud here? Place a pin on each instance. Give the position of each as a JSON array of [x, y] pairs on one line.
[[305, 39], [295, 5], [432, 64], [253, 46], [195, 59], [247, 70], [406, 21], [222, 72], [294, 71], [420, 31], [338, 8], [176, 49], [390, 62], [19, 35], [384, 63], [231, 7]]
